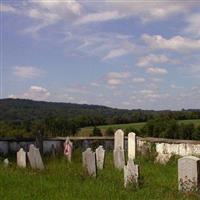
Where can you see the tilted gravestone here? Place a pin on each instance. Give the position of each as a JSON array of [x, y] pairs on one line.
[[35, 158], [131, 173], [21, 158], [89, 162], [68, 147], [132, 145], [118, 153], [100, 155], [189, 173]]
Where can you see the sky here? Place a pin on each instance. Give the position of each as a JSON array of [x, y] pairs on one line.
[[124, 54]]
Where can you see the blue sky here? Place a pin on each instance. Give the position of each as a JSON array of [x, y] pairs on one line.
[[124, 54]]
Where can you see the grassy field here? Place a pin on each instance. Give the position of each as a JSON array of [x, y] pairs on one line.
[[63, 180], [88, 130]]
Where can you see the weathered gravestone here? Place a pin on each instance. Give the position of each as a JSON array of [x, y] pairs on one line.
[[35, 158], [68, 147], [118, 153], [119, 158], [131, 173], [189, 173], [119, 139], [100, 155], [89, 162], [21, 158], [131, 145]]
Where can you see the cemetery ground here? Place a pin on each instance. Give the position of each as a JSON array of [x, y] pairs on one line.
[[88, 130], [64, 180]]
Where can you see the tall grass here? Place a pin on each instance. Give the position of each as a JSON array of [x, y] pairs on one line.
[[63, 180]]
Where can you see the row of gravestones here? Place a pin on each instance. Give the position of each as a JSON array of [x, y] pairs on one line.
[[95, 160], [188, 166]]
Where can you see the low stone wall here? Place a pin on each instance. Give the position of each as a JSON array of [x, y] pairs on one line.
[[162, 146]]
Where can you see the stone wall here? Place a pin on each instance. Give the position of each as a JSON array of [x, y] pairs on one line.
[[162, 146]]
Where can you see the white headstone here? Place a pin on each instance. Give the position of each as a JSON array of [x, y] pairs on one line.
[[89, 162], [119, 139], [6, 162], [131, 145], [35, 158], [100, 155], [119, 158], [68, 147], [131, 173], [189, 173], [21, 158]]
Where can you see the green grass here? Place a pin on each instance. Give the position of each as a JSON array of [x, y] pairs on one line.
[[88, 130], [63, 180]]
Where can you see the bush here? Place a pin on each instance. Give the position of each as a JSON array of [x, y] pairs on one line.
[[109, 131], [96, 131]]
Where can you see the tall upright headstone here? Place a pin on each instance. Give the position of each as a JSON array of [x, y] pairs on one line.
[[35, 158], [100, 155], [119, 139], [131, 173], [132, 145], [118, 153], [189, 173], [68, 147], [21, 158], [39, 141], [89, 162]]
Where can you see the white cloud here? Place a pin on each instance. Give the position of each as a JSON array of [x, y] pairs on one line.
[[114, 82], [156, 71], [61, 6], [118, 75], [150, 10], [138, 80], [116, 78], [176, 43], [115, 53], [98, 17], [7, 8], [37, 93], [193, 27], [152, 59], [27, 71]]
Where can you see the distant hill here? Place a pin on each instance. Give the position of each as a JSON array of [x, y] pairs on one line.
[[23, 110]]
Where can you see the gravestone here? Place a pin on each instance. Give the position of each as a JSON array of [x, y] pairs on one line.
[[100, 155], [118, 153], [131, 145], [53, 151], [68, 147], [21, 158], [39, 141], [119, 139], [35, 158], [6, 162], [119, 158], [189, 173], [131, 173], [89, 162]]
